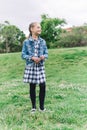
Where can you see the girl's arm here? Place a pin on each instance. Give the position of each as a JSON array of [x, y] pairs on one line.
[[25, 54], [45, 52]]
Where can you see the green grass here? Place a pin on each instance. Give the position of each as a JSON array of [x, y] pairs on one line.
[[66, 96]]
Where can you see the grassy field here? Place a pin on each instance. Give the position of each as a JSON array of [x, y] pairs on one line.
[[66, 96]]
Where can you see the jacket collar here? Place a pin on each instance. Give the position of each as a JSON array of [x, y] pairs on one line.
[[39, 38]]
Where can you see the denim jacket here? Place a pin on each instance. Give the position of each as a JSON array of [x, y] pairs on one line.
[[28, 50]]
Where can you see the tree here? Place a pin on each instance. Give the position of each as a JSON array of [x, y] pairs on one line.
[[76, 37], [11, 37], [51, 28]]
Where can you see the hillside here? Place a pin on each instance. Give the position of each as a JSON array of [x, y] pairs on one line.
[[66, 97]]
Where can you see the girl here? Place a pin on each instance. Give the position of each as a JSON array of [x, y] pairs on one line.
[[35, 52]]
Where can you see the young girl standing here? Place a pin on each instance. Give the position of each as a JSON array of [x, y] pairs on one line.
[[35, 52]]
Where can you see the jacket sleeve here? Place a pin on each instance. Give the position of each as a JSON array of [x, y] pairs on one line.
[[45, 51], [25, 55]]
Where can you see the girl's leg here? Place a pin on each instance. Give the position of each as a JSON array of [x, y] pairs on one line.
[[42, 95], [33, 94]]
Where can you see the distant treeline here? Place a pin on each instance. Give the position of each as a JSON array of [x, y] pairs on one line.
[[11, 37], [58, 37], [75, 37]]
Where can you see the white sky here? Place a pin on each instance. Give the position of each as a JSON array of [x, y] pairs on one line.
[[22, 12]]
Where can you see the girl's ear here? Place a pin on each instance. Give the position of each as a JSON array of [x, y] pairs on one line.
[[31, 29]]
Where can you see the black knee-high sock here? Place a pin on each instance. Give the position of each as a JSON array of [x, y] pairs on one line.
[[33, 94], [42, 95]]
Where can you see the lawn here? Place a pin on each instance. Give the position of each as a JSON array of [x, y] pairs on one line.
[[66, 93]]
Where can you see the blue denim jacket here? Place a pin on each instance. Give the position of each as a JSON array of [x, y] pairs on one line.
[[28, 50]]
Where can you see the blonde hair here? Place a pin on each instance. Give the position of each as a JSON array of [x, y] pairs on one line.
[[31, 26]]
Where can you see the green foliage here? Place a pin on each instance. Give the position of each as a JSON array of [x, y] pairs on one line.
[[11, 38], [66, 92], [76, 37], [51, 28]]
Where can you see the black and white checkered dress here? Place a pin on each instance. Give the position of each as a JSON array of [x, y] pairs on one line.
[[36, 73]]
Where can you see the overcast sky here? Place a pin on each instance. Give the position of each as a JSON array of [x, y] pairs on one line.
[[22, 12]]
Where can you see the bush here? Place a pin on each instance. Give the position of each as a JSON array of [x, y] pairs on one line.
[[77, 37]]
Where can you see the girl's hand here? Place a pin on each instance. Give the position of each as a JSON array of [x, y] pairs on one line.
[[42, 57], [36, 59]]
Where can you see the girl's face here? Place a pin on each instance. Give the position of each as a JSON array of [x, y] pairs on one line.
[[36, 30]]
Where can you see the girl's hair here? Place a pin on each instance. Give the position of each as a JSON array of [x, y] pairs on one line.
[[31, 26]]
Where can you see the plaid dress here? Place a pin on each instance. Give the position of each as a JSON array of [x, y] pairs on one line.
[[35, 73]]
